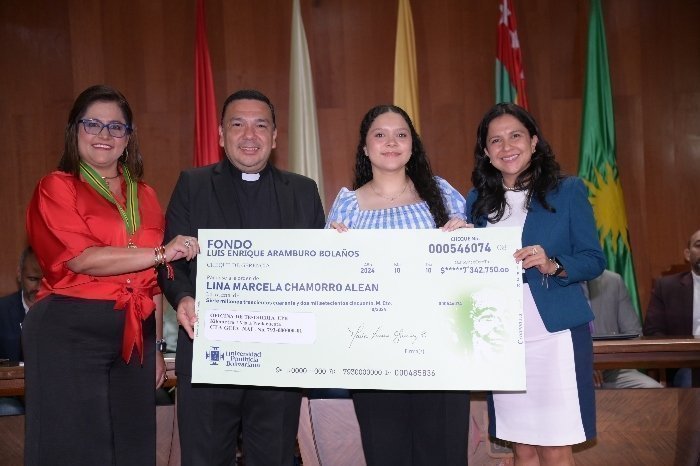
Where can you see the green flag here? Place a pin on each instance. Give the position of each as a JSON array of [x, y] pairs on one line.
[[597, 161]]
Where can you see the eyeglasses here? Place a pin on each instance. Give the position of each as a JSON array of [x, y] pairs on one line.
[[117, 130]]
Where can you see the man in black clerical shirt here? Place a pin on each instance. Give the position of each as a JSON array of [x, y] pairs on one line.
[[242, 191]]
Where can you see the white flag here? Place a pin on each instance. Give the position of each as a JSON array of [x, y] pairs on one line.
[[304, 145]]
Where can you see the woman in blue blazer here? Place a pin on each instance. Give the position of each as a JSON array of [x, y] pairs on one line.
[[517, 182]]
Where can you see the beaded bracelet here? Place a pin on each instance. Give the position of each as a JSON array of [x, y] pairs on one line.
[[161, 260], [158, 258]]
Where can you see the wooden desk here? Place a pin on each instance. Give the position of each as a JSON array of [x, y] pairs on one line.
[[170, 371], [11, 380], [646, 353], [12, 377], [12, 427], [634, 426], [641, 353]]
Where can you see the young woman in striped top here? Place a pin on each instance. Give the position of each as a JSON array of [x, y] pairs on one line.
[[394, 187]]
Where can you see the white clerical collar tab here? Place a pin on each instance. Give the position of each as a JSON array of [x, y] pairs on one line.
[[250, 176]]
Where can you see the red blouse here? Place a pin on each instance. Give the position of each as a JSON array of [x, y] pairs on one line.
[[65, 217]]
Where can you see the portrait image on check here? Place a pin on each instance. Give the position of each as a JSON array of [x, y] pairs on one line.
[[480, 323]]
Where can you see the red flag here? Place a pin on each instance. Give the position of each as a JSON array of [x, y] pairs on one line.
[[206, 132], [510, 74]]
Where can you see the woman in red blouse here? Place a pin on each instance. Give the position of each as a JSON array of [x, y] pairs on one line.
[[91, 365]]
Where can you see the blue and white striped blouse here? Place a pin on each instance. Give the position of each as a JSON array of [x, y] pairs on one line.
[[346, 210]]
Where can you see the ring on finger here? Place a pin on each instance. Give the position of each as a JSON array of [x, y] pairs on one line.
[[187, 243], [534, 251]]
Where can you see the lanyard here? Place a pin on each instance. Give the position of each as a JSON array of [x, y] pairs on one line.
[[131, 217]]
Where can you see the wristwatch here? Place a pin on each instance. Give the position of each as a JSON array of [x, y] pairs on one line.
[[559, 268], [161, 345]]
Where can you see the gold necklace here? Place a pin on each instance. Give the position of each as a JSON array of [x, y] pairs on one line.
[[107, 178], [389, 198]]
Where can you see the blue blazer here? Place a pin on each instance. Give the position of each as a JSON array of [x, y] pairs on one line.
[[569, 234]]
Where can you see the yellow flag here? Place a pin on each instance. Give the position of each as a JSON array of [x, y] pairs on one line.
[[405, 69]]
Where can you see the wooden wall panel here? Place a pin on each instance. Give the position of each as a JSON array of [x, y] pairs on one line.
[[53, 49]]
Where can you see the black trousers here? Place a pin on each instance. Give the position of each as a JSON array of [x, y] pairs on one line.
[[406, 428], [210, 418], [84, 404]]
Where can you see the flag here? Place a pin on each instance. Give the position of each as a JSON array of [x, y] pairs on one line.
[[304, 145], [510, 73], [597, 161], [206, 126], [405, 69]]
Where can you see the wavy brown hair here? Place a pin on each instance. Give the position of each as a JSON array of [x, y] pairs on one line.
[[539, 178], [418, 167]]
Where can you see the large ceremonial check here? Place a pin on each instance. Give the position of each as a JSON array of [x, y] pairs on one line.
[[373, 309]]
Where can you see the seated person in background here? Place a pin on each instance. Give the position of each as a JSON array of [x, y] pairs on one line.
[[13, 308], [674, 306], [614, 315]]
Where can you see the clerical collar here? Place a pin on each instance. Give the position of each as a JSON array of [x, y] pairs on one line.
[[250, 176]]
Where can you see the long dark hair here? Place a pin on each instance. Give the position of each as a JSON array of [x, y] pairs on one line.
[[418, 167], [70, 160], [539, 178]]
